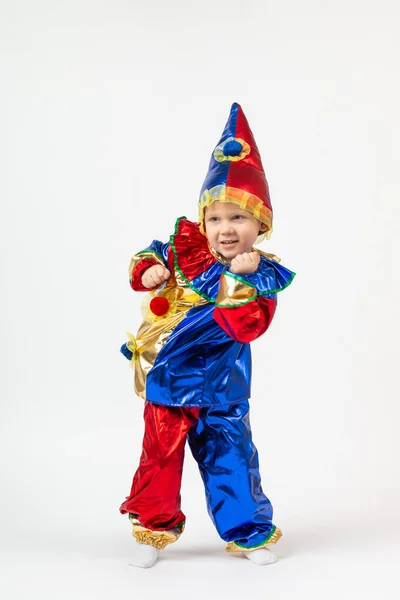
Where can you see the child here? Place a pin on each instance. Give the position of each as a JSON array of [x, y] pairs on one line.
[[211, 294]]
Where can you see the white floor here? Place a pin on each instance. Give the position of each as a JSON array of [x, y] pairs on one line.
[[342, 564]]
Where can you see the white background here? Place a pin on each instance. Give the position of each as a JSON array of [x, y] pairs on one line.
[[109, 112]]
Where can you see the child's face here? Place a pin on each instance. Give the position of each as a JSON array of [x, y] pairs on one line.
[[231, 230]]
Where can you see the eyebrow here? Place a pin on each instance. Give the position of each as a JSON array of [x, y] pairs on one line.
[[233, 214]]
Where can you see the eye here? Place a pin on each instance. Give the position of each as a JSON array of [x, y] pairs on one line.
[[213, 219], [237, 217]]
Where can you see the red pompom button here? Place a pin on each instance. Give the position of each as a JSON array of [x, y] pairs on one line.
[[159, 306]]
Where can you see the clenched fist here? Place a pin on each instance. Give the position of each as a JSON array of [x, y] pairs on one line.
[[155, 275], [245, 263]]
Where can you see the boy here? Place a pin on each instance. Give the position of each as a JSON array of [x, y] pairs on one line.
[[211, 294]]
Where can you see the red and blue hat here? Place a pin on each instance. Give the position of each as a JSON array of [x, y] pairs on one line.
[[236, 173]]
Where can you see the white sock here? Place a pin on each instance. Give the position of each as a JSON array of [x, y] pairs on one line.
[[145, 556], [263, 556]]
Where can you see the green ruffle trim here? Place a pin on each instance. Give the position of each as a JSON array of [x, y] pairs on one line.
[[280, 289]]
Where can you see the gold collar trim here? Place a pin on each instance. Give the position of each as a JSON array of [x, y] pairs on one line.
[[218, 256]]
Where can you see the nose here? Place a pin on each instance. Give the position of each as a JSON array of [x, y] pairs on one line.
[[226, 227]]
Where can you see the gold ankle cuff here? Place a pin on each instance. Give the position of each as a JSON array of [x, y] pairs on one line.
[[157, 539], [276, 534]]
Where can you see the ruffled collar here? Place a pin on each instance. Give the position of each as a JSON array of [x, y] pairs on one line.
[[192, 254], [200, 266]]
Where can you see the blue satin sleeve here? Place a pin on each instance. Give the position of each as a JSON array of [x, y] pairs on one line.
[[160, 249]]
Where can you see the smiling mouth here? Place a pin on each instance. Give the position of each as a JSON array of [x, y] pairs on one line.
[[229, 242]]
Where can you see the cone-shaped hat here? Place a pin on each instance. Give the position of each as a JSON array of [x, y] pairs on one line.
[[235, 173]]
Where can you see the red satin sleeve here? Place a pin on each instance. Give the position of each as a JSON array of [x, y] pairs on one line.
[[136, 277], [247, 322]]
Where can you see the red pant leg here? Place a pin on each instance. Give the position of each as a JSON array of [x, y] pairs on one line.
[[155, 497]]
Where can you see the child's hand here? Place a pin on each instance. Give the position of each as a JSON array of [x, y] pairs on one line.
[[155, 275], [245, 263]]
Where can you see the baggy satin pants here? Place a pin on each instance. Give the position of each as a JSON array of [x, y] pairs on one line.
[[221, 443]]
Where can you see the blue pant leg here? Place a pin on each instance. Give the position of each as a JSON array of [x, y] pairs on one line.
[[222, 445]]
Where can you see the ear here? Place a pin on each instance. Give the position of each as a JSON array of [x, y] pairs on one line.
[[263, 228]]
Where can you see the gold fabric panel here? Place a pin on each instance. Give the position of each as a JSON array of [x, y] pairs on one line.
[[233, 292], [154, 331], [149, 340]]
